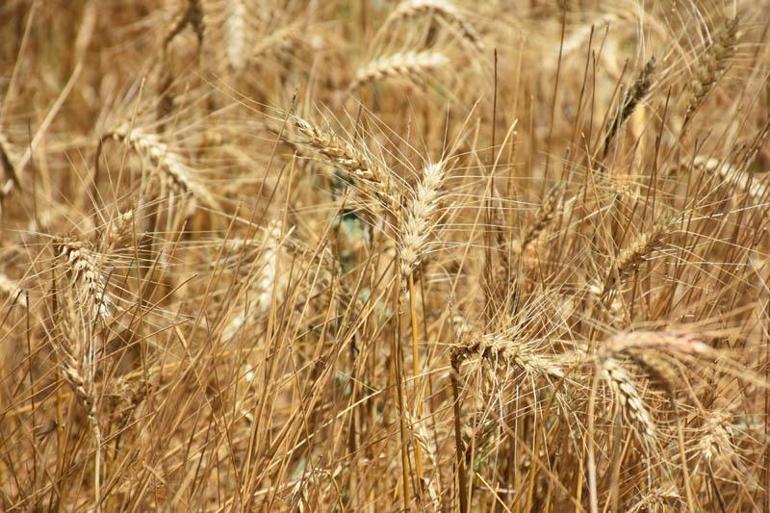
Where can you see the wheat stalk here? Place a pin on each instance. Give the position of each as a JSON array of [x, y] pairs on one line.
[[7, 161]]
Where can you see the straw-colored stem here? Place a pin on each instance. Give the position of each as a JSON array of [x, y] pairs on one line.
[[416, 369]]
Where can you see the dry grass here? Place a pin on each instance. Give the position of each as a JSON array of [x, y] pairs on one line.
[[429, 255]]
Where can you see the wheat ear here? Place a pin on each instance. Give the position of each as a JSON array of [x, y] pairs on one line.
[[412, 65], [500, 348], [235, 33], [637, 252], [264, 282], [419, 218], [84, 267], [167, 164], [732, 175], [278, 41], [441, 9], [628, 397], [635, 95], [545, 216], [631, 344], [712, 67], [356, 167]]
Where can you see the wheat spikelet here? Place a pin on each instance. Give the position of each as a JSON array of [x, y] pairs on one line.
[[235, 33], [419, 218], [712, 66], [169, 166], [441, 9], [412, 65], [741, 180], [84, 267]]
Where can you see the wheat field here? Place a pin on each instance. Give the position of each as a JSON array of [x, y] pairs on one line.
[[380, 255]]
